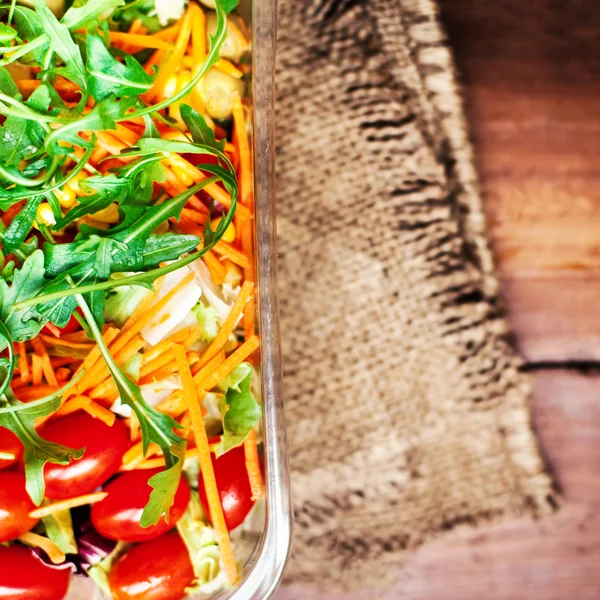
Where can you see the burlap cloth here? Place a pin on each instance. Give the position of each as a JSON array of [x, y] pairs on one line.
[[406, 412]]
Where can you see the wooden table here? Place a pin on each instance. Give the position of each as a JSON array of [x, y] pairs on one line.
[[531, 73]]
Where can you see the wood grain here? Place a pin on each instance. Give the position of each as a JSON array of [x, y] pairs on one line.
[[531, 75]]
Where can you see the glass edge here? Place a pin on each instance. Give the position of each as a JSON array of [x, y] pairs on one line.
[[265, 568]]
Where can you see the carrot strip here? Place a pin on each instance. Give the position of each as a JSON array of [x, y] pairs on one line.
[[35, 392], [107, 390], [100, 371], [216, 269], [175, 405], [227, 367], [140, 41], [243, 146], [66, 343], [174, 60], [195, 216], [206, 466], [23, 364], [249, 275], [53, 328], [49, 509], [228, 325], [169, 33], [201, 373], [37, 368], [55, 554], [99, 412], [40, 349], [136, 453], [72, 405], [153, 463], [253, 466], [63, 374], [90, 360], [198, 34], [165, 346], [226, 250], [130, 331], [166, 356]]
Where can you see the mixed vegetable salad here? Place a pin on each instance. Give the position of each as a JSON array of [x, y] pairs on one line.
[[130, 444]]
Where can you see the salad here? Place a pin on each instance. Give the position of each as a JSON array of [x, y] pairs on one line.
[[130, 442]]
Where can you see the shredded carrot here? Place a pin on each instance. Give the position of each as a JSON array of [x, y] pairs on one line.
[[90, 360], [202, 372], [226, 250], [253, 466], [66, 343], [72, 405], [175, 405], [136, 453], [137, 26], [63, 374], [168, 33], [49, 509], [174, 60], [125, 134], [106, 391], [216, 269], [37, 368], [99, 412], [100, 371], [243, 146], [230, 363], [55, 554], [34, 392], [228, 325], [206, 466], [139, 41], [249, 275], [153, 463], [165, 346], [23, 364], [198, 34], [40, 349], [166, 356], [194, 216], [53, 329]]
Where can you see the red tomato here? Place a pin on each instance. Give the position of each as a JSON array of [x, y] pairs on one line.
[[233, 485], [70, 327], [104, 450], [15, 506], [201, 159], [25, 576], [117, 517], [10, 443], [156, 570]]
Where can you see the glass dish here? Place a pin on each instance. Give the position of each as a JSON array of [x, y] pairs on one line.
[[262, 572]]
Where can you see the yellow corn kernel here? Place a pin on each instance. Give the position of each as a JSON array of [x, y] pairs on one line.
[[233, 273], [44, 215], [73, 184], [229, 235], [66, 197], [108, 215]]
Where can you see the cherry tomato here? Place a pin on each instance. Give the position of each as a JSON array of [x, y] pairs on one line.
[[156, 570], [70, 327], [104, 450], [9, 443], [117, 517], [15, 506], [233, 485], [25, 576]]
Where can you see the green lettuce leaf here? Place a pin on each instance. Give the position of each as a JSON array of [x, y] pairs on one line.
[[240, 410], [59, 528], [207, 318]]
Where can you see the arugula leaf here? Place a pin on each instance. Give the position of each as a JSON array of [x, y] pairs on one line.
[[38, 451], [156, 427], [62, 43], [7, 84], [21, 225], [59, 529], [109, 77], [27, 283], [82, 15], [198, 127], [240, 413], [164, 487], [29, 27], [7, 33]]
